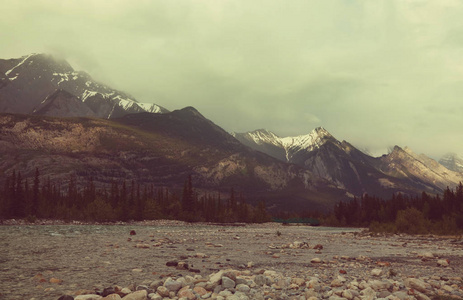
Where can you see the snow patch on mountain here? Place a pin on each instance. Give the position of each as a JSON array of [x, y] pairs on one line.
[[150, 107], [291, 145], [25, 58]]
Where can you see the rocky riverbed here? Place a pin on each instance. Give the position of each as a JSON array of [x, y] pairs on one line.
[[175, 260]]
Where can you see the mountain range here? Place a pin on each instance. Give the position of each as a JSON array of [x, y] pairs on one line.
[[349, 168], [66, 124], [42, 85]]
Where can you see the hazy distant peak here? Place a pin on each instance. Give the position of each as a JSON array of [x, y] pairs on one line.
[[452, 162]]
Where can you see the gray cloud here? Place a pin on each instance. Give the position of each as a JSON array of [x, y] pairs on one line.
[[375, 73]]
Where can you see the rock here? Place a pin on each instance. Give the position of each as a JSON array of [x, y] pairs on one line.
[[336, 283], [378, 285], [214, 279], [420, 296], [137, 270], [186, 293], [376, 272], [383, 264], [336, 298], [66, 297], [318, 247], [401, 295], [443, 263], [316, 260], [347, 294], [368, 294], [138, 295], [201, 255], [143, 246], [416, 284], [132, 232], [142, 287], [230, 274], [126, 291], [227, 283], [182, 265], [172, 263], [88, 297], [426, 255], [56, 281], [155, 284], [261, 280], [173, 286], [200, 290], [108, 291], [243, 288], [298, 281], [162, 291], [112, 297], [384, 294]]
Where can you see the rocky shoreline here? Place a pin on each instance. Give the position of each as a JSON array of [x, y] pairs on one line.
[[175, 260]]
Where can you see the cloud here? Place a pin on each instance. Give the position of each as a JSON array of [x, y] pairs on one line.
[[375, 73]]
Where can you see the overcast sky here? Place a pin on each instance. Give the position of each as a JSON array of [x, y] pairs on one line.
[[376, 73]]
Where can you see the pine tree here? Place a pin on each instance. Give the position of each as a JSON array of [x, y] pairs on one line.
[[188, 197]]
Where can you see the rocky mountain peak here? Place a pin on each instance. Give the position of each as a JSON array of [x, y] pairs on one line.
[[33, 78]]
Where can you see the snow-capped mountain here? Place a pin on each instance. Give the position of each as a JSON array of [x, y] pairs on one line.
[[325, 156], [284, 148], [30, 84], [351, 169], [452, 162]]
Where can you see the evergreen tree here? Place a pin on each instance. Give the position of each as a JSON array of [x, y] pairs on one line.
[[188, 197]]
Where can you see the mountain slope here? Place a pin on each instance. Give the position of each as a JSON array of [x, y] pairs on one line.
[[27, 81], [159, 149], [452, 162], [418, 170]]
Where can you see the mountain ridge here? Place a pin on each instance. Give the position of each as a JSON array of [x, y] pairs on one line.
[[29, 80], [351, 169]]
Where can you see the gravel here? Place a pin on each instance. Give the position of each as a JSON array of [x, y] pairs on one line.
[[268, 260]]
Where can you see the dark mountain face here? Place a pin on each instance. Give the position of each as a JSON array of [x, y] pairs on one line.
[[28, 81], [63, 104], [186, 124], [159, 149]]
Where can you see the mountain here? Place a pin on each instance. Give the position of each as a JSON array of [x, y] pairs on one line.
[[349, 168], [159, 149], [418, 170], [452, 162], [41, 84]]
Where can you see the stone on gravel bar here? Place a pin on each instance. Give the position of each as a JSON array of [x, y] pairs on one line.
[[416, 284], [138, 295], [172, 286], [376, 272], [443, 263], [112, 297], [88, 297]]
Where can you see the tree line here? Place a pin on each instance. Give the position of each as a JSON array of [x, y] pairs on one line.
[[120, 201], [411, 214]]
